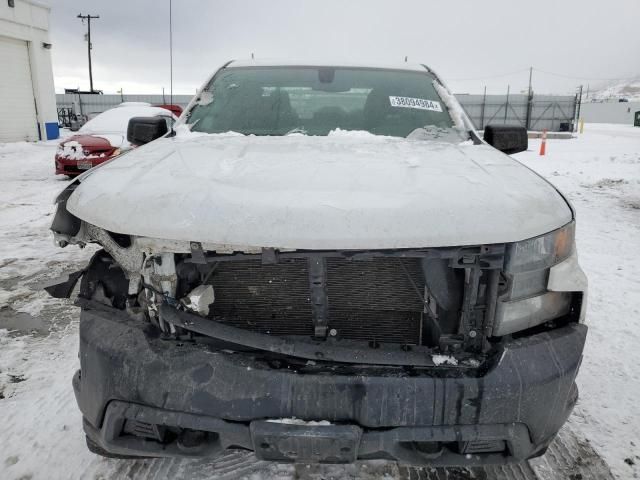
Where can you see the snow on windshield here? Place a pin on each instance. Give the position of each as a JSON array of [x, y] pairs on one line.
[[117, 119]]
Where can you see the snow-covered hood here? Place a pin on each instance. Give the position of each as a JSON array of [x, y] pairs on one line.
[[345, 191], [116, 140]]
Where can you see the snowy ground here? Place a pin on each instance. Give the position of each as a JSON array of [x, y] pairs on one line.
[[600, 174], [42, 436]]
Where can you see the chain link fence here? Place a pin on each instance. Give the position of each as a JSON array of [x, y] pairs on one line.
[[554, 112]]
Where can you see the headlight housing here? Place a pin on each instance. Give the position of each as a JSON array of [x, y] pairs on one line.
[[527, 301], [541, 252]]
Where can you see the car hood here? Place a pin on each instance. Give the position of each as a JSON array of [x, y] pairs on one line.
[[87, 141], [95, 141], [349, 191]]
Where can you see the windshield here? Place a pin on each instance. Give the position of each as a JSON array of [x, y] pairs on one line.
[[317, 100]]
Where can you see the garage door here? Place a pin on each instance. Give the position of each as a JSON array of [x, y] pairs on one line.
[[17, 108]]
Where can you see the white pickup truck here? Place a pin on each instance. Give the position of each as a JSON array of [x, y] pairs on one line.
[[324, 263]]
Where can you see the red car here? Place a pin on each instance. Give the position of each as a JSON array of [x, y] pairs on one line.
[[175, 109], [103, 137]]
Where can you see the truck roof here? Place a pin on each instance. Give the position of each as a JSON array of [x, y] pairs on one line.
[[415, 67]]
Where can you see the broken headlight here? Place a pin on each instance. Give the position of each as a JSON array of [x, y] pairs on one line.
[[527, 301]]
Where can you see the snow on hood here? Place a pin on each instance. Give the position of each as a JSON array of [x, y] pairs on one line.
[[71, 150], [344, 191], [74, 147]]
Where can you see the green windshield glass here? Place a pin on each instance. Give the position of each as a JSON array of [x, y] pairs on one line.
[[317, 100]]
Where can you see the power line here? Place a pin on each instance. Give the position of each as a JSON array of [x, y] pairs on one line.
[[490, 76], [571, 77], [515, 72]]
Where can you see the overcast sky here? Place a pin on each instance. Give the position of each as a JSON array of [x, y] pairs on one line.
[[471, 43]]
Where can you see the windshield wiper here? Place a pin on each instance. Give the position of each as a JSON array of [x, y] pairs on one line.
[[432, 132]]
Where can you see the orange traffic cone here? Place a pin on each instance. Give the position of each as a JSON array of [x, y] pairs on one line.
[[543, 145]]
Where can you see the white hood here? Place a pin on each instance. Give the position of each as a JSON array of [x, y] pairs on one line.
[[344, 191]]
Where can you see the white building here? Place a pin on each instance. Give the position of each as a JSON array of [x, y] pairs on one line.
[[27, 94], [610, 112]]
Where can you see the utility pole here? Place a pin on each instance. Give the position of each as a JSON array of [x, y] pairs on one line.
[[484, 101], [88, 19], [579, 107], [171, 55], [529, 100]]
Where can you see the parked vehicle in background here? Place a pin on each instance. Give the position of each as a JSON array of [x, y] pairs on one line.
[[103, 137], [324, 264]]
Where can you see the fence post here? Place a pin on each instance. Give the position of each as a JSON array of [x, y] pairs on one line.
[[80, 104], [484, 101], [506, 105]]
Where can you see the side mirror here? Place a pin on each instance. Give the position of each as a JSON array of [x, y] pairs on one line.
[[143, 130], [507, 138]]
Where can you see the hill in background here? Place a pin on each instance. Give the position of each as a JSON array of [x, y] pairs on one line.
[[628, 89]]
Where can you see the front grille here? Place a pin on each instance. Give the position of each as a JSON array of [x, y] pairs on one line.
[[373, 299], [73, 169]]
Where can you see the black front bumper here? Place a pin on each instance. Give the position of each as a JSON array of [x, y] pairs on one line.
[[129, 374]]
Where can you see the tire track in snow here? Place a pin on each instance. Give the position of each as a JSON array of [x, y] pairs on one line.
[[572, 458]]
